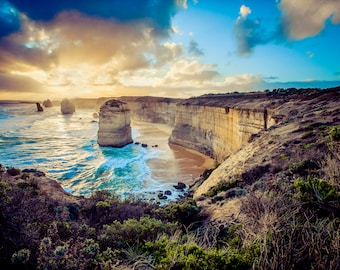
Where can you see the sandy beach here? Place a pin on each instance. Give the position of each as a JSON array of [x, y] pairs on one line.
[[174, 163]]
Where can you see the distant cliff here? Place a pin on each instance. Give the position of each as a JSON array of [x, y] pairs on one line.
[[153, 109], [219, 125]]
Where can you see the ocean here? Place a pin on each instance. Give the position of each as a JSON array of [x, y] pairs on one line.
[[65, 148]]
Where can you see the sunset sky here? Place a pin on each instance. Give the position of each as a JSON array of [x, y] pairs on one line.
[[176, 48]]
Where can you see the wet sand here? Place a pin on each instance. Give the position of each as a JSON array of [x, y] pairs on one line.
[[172, 163]]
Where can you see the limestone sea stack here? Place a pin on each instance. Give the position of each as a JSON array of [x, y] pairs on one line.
[[114, 124], [39, 108], [47, 103], [67, 107]]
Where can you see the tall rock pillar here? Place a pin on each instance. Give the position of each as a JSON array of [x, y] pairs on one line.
[[114, 124]]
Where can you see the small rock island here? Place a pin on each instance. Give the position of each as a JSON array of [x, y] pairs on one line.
[[114, 124]]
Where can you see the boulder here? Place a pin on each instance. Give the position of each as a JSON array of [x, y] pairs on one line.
[[180, 185], [47, 103], [67, 107], [114, 124]]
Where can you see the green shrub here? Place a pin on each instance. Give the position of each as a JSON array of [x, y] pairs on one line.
[[304, 167], [103, 204], [133, 231], [334, 133], [315, 189], [170, 254], [223, 186], [21, 257], [208, 172], [184, 213]]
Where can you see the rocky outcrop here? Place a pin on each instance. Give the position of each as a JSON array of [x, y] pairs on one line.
[[114, 124], [47, 103], [219, 125], [39, 108], [67, 107], [152, 109]]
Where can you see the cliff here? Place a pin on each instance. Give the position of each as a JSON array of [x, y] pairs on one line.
[[114, 124], [298, 142], [219, 125], [152, 109]]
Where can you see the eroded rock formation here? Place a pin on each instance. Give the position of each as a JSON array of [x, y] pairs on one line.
[[47, 103], [153, 109], [67, 107], [39, 108], [114, 124], [219, 125]]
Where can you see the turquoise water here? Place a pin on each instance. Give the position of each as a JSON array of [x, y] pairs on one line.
[[65, 147]]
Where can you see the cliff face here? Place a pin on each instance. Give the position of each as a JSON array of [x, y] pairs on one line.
[[220, 125], [152, 109], [114, 124]]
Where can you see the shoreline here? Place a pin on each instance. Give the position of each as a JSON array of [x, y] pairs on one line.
[[174, 163]]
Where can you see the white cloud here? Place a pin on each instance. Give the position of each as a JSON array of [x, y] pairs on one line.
[[244, 11], [306, 18]]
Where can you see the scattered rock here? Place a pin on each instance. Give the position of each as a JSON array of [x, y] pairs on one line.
[[95, 115], [144, 145], [161, 196], [167, 192], [180, 185]]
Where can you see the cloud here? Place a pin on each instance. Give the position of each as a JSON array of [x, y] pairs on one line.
[[157, 14], [306, 18], [193, 49], [189, 71], [244, 11], [10, 82], [249, 33]]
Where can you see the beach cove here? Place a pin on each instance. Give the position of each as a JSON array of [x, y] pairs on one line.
[[65, 147]]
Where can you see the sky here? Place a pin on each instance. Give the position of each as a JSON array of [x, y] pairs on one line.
[[170, 48]]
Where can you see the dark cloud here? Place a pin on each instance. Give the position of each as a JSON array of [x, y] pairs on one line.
[[249, 33], [18, 83], [193, 48], [156, 13]]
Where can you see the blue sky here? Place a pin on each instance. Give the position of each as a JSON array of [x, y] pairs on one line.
[[176, 48]]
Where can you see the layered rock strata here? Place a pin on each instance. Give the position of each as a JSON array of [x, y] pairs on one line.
[[67, 107], [114, 124], [153, 109], [219, 125]]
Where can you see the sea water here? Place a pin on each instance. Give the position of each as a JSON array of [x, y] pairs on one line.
[[65, 148]]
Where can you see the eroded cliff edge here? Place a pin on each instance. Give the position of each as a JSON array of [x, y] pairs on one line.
[[219, 125]]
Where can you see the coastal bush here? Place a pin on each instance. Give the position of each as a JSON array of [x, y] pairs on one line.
[[175, 254], [131, 231], [334, 133], [305, 167], [184, 212], [223, 186]]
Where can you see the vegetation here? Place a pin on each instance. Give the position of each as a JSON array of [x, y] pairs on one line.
[[289, 216]]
